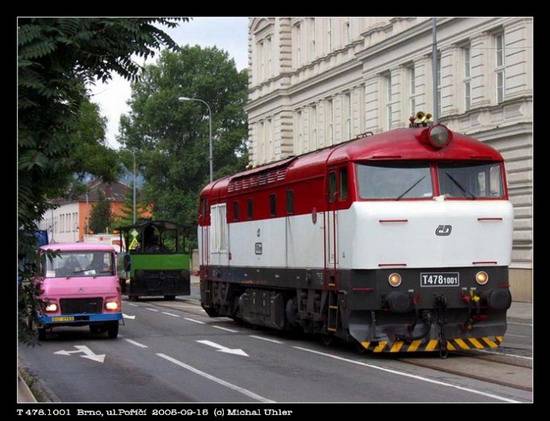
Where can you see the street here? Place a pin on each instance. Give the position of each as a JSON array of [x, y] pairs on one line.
[[171, 351]]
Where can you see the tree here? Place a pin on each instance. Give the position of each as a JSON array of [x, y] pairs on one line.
[[100, 216], [56, 59], [171, 137], [126, 215]]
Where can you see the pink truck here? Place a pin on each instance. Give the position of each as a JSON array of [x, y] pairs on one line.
[[79, 287]]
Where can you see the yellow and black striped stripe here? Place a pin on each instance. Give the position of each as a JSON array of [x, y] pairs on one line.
[[419, 345]]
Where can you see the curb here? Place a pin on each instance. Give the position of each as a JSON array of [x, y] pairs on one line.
[[36, 386]]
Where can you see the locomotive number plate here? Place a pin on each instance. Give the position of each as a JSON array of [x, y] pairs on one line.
[[439, 279], [63, 319]]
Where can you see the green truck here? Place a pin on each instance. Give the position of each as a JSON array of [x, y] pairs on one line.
[[154, 260]]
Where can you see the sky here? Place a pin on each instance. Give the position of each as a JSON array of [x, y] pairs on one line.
[[226, 33]]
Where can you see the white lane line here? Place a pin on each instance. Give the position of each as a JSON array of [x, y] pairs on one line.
[[226, 329], [520, 324], [502, 353], [413, 376], [231, 386], [135, 343], [517, 336], [170, 314], [266, 339], [151, 309], [131, 304], [195, 321]]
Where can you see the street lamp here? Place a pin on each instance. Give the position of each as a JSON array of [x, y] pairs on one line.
[[184, 98], [134, 188]]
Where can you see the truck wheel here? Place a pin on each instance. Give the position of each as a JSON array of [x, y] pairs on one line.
[[112, 330], [41, 333]]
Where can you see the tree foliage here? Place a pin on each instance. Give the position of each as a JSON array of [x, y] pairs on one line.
[[57, 57], [100, 215], [171, 138]]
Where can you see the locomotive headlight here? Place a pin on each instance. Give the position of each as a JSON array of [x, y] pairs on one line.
[[482, 278], [439, 136], [394, 280]]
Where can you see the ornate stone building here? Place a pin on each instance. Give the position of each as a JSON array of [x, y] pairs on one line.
[[315, 82]]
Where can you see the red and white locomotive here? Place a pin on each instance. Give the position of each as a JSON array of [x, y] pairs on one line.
[[400, 241]]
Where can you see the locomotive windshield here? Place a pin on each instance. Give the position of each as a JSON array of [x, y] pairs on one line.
[[394, 180], [470, 180]]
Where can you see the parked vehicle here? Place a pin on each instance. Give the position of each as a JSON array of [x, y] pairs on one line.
[[79, 287], [154, 260]]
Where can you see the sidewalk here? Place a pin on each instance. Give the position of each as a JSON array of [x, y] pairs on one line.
[[24, 394], [520, 311]]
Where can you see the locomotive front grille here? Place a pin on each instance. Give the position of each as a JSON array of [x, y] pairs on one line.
[[81, 305]]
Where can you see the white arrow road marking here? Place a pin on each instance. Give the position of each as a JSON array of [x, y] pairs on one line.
[[222, 348], [84, 349], [128, 317]]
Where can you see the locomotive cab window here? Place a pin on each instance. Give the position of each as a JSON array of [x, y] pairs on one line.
[[343, 183], [471, 180], [394, 180], [331, 186], [272, 205], [290, 201], [250, 208], [236, 211]]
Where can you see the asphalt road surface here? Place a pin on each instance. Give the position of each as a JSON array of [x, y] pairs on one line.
[[171, 351]]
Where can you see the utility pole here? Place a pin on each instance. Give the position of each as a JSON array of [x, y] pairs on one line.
[[434, 71]]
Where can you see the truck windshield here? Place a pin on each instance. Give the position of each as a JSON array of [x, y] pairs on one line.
[[470, 180], [394, 181], [82, 263]]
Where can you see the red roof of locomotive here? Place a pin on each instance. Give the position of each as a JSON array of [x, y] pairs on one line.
[[398, 144]]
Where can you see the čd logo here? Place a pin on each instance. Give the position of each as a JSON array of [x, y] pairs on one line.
[[443, 230]]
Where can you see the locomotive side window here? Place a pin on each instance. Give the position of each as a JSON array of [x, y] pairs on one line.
[[250, 208], [273, 204], [290, 201], [394, 180], [331, 187], [470, 180], [236, 211], [343, 183]]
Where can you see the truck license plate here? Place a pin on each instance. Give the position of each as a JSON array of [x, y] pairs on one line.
[[63, 319], [439, 279]]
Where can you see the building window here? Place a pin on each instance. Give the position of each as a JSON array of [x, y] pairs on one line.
[[500, 66], [330, 122], [268, 57], [347, 115], [290, 201], [298, 147], [389, 110], [347, 32], [467, 78], [313, 46], [75, 221], [273, 204], [250, 208], [412, 89]]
